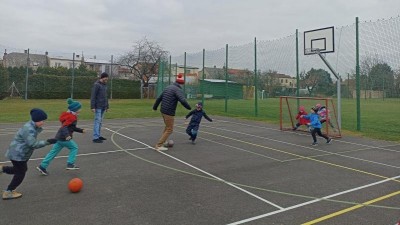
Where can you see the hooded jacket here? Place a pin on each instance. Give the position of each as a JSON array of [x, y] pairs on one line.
[[68, 126]]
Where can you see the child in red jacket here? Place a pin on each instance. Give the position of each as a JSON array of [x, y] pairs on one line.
[[300, 119]]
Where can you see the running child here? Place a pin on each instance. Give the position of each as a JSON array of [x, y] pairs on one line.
[[316, 126], [301, 120], [69, 120], [21, 150], [193, 127]]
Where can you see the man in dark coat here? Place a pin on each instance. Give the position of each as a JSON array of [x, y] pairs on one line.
[[169, 100]]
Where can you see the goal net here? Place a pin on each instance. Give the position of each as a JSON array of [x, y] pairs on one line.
[[290, 107]]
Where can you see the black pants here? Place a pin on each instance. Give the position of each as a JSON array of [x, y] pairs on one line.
[[19, 169], [317, 131]]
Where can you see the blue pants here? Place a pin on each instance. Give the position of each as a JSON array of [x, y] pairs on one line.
[[73, 150], [98, 120], [192, 131]]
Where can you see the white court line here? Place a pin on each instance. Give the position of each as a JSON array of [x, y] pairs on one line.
[[346, 142], [86, 154], [319, 150], [310, 202], [198, 169]]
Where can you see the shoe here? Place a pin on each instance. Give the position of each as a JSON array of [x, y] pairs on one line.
[[42, 170], [329, 141], [161, 148], [97, 140], [103, 139], [314, 144], [72, 167], [294, 128], [190, 138], [7, 195]]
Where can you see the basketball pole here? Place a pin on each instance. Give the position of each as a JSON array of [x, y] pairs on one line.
[[339, 99]]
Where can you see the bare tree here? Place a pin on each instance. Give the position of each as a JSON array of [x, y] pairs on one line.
[[143, 60]]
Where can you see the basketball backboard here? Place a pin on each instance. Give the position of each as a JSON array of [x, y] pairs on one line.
[[322, 40]]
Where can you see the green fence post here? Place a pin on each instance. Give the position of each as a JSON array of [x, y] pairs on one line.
[[169, 77], [203, 77], [358, 78], [255, 79], [184, 75], [226, 79]]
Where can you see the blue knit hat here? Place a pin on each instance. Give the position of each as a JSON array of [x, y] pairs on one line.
[[38, 115], [73, 105]]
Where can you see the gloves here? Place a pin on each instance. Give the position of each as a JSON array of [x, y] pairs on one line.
[[51, 141]]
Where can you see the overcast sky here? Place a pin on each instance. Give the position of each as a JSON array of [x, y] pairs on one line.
[[111, 27]]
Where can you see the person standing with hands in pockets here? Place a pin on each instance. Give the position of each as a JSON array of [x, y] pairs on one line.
[[99, 105], [169, 100]]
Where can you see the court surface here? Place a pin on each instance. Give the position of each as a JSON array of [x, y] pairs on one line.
[[238, 172]]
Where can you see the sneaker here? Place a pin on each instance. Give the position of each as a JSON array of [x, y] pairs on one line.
[[161, 148], [97, 140], [102, 138], [7, 195], [72, 167], [190, 138], [294, 128], [42, 170], [314, 144], [329, 141]]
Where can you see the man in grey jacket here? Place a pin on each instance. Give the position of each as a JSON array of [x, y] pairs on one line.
[[99, 105], [169, 100]]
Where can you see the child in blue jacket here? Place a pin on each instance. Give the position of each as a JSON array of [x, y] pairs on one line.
[[21, 149], [316, 126], [193, 127]]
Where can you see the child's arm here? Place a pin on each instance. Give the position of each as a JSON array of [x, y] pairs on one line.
[[31, 141], [208, 118], [189, 114]]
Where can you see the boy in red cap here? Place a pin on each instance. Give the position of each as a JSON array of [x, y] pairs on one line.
[[69, 120]]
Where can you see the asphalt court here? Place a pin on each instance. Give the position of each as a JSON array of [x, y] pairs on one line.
[[238, 172]]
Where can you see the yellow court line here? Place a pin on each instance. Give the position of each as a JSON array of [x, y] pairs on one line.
[[351, 208], [305, 157]]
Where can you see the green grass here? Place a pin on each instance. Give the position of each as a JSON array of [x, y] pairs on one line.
[[379, 118]]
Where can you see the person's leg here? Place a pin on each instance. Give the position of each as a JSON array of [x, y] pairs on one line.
[[194, 133], [19, 170], [314, 137], [102, 111], [169, 127], [73, 150], [52, 154], [189, 131], [96, 125], [328, 139]]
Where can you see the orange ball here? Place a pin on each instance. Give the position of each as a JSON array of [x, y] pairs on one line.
[[75, 185]]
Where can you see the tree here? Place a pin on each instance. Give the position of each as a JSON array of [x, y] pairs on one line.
[[317, 81], [381, 76], [143, 59]]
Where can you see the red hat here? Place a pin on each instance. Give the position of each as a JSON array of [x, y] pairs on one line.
[[179, 79]]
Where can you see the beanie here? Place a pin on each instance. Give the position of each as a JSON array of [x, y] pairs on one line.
[[104, 74], [38, 115], [179, 79], [73, 105], [301, 108]]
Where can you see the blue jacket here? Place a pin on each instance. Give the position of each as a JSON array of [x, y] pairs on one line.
[[169, 99], [21, 148], [196, 117], [314, 120], [98, 98]]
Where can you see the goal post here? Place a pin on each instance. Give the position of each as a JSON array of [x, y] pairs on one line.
[[289, 108]]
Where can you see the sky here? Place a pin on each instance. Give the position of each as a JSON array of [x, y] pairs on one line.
[[111, 27]]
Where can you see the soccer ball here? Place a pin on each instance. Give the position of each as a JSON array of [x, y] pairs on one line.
[[169, 144]]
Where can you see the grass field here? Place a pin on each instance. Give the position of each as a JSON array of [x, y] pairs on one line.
[[379, 118]]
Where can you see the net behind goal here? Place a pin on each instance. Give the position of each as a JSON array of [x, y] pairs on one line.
[[289, 109]]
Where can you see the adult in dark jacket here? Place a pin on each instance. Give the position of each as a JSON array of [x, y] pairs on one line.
[[169, 100], [197, 114], [99, 105]]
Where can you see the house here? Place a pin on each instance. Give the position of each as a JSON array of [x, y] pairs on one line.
[[68, 63], [98, 65], [284, 80], [17, 59]]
